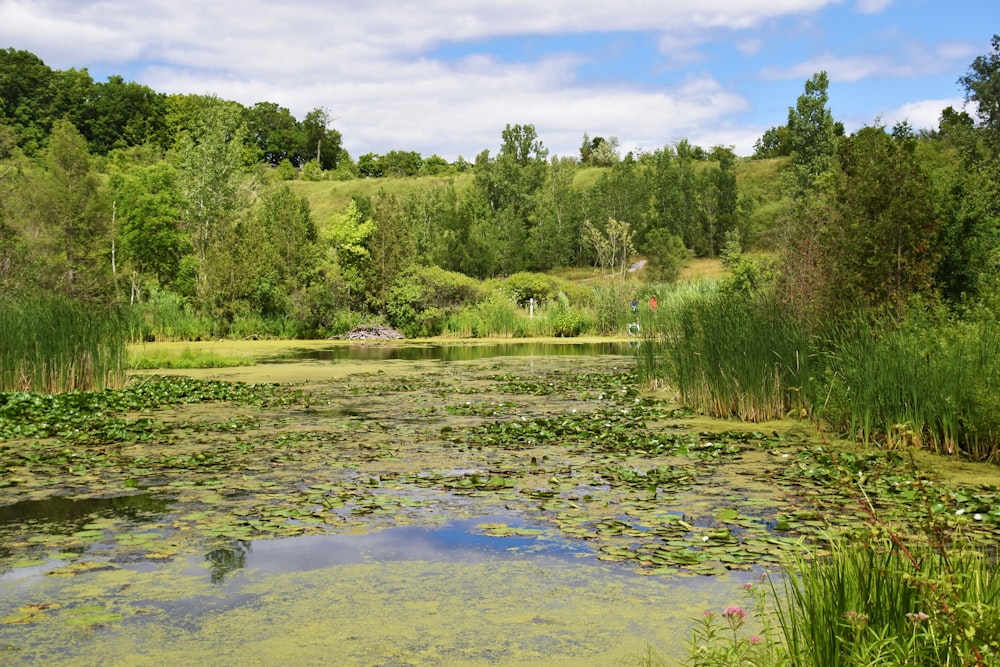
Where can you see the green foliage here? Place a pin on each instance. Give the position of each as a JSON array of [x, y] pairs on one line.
[[69, 214], [811, 138], [420, 302], [751, 274], [286, 171], [982, 86], [873, 603], [53, 344], [666, 255], [868, 239], [148, 207], [929, 383]]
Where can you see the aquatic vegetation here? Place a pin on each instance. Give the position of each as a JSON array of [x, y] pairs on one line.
[[55, 344], [552, 456]]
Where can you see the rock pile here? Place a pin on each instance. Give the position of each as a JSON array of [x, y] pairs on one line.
[[373, 332]]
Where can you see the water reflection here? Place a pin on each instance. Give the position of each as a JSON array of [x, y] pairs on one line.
[[63, 510], [452, 542], [59, 515], [228, 559], [458, 352]]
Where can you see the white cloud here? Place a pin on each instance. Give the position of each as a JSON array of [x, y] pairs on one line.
[[922, 115], [915, 59], [373, 64], [873, 6]]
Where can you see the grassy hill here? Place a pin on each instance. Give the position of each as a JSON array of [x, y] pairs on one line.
[[758, 179]]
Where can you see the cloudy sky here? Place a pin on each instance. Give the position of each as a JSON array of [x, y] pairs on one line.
[[446, 76]]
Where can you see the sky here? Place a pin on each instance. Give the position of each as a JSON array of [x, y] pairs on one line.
[[446, 77]]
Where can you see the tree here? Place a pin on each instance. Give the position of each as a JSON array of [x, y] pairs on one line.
[[613, 246], [72, 215], [274, 130], [148, 215], [321, 142], [874, 238], [775, 142], [26, 97], [811, 133], [982, 86], [209, 159], [390, 247]]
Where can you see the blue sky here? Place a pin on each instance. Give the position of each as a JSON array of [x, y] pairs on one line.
[[446, 76]]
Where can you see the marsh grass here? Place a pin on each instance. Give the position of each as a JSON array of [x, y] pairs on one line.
[[728, 355], [165, 316], [876, 604], [925, 381], [937, 387], [53, 344], [187, 358], [499, 316]]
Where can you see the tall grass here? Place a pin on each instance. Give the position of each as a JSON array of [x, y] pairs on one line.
[[926, 381], [728, 355], [931, 385], [871, 604], [53, 344]]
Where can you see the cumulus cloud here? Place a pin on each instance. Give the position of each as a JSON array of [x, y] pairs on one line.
[[922, 115], [873, 6], [378, 66], [914, 59]]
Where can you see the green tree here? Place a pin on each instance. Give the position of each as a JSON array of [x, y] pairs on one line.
[[390, 247], [72, 215], [276, 133], [556, 238], [321, 142], [613, 246], [775, 142], [26, 98], [210, 161], [148, 207], [982, 86], [345, 238], [875, 235], [124, 113], [811, 133]]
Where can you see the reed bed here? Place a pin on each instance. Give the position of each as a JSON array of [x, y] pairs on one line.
[[54, 344], [937, 387], [727, 355], [922, 382], [873, 604]]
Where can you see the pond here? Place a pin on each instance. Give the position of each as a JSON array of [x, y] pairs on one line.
[[507, 506]]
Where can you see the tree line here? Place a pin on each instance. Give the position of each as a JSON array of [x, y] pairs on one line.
[[112, 192]]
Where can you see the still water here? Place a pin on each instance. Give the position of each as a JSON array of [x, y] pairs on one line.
[[161, 573]]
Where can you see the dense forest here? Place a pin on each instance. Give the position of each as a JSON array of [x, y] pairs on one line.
[[195, 208]]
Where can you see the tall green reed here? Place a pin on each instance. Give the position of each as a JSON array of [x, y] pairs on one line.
[[871, 603], [728, 355], [54, 344], [930, 385]]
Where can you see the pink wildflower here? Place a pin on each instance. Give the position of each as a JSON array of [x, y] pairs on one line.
[[754, 639], [732, 611], [916, 617], [748, 586], [734, 615]]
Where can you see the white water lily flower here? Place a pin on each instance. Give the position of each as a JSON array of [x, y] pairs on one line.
[[960, 512], [977, 516]]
